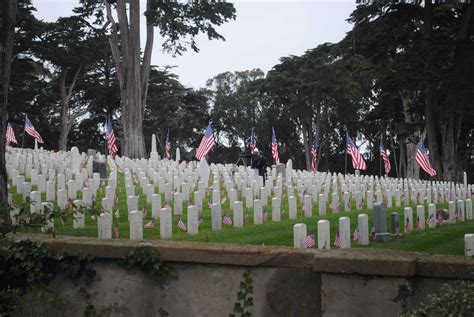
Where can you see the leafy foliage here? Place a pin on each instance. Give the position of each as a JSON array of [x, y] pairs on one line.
[[244, 299], [27, 266], [451, 300], [148, 261]]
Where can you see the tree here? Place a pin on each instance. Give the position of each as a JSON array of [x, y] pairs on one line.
[[8, 22], [178, 23]]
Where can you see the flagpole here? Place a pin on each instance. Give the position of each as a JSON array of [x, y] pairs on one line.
[[105, 137], [394, 154], [23, 134], [380, 158], [345, 156]]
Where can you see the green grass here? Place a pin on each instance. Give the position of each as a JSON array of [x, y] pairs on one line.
[[447, 239]]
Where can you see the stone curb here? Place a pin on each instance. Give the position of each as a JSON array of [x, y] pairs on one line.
[[364, 261]]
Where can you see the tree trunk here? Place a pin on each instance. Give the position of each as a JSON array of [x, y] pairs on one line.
[[307, 149], [133, 76], [412, 168], [9, 9], [67, 120]]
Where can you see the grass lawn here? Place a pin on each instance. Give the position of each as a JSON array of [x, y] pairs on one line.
[[446, 239]]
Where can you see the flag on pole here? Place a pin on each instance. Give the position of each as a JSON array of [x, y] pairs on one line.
[[30, 129], [181, 225], [150, 225], [227, 220], [310, 241], [314, 154], [356, 234], [168, 146], [385, 156], [357, 160], [275, 147], [338, 240], [207, 143], [253, 142], [423, 159], [10, 135], [110, 136]]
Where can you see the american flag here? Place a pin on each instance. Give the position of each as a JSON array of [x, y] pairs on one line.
[[423, 160], [110, 136], [168, 146], [338, 240], [207, 143], [144, 212], [418, 223], [30, 129], [310, 241], [357, 160], [314, 155], [386, 160], [200, 219], [407, 224], [10, 135], [150, 225], [373, 233], [227, 220], [116, 231], [253, 141], [265, 216], [356, 234], [181, 224], [275, 147]]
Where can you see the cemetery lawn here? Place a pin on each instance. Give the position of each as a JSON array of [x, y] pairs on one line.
[[446, 239]]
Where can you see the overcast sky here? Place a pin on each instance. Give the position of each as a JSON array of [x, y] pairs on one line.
[[263, 32]]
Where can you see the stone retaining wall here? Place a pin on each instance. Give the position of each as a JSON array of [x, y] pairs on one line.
[[286, 281]]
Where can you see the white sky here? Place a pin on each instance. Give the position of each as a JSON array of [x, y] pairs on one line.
[[263, 32]]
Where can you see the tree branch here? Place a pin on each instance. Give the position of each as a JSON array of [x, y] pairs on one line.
[[73, 83], [113, 40]]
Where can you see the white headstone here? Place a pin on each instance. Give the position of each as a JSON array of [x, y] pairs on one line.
[[299, 235], [432, 215], [193, 222], [363, 226], [238, 214], [104, 225], [79, 220], [420, 217], [469, 209], [166, 228], [292, 207], [345, 232], [50, 195], [324, 241], [155, 205], [408, 219], [276, 213], [216, 217], [469, 244], [136, 225], [322, 205], [178, 204], [460, 213], [257, 212]]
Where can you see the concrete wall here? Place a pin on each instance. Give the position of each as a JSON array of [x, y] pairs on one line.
[[286, 281]]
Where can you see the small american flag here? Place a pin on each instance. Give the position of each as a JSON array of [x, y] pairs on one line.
[[357, 160], [144, 212], [423, 159], [314, 155], [150, 225], [168, 146], [253, 141], [227, 220], [338, 240], [385, 156], [310, 241], [373, 233], [356, 234], [116, 231], [407, 224], [275, 147], [181, 224], [265, 216], [418, 223], [207, 143], [110, 137], [10, 135], [30, 129]]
